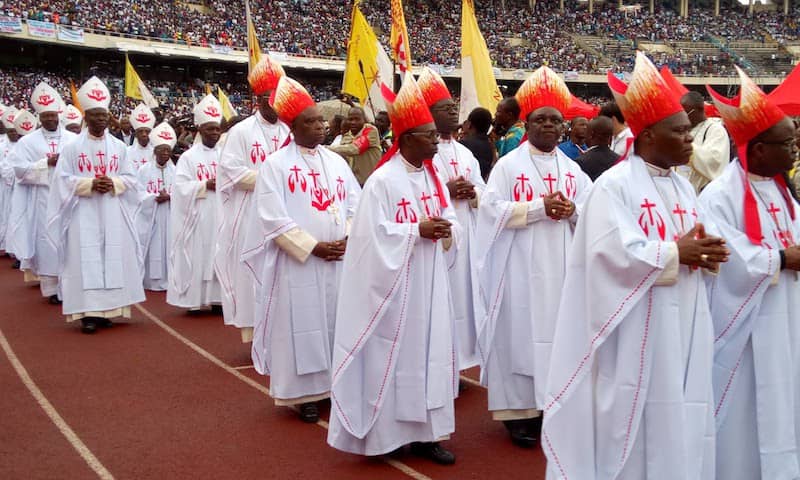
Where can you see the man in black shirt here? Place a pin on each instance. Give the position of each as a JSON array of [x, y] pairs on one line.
[[476, 138], [599, 157]]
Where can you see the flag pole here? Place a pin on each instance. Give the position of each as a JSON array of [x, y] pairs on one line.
[[366, 85]]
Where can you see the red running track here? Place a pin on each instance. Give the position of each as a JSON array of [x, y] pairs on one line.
[[158, 397]]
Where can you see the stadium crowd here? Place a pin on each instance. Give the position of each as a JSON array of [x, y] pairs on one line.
[[177, 97], [541, 37]]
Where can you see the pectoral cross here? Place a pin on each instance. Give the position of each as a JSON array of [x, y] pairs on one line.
[[53, 146], [454, 163], [680, 212], [773, 210], [550, 179], [274, 143]]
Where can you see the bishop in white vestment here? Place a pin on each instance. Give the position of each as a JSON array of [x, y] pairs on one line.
[[33, 161], [72, 119], [142, 121], [534, 197], [247, 146], [193, 216], [156, 179], [304, 199], [10, 141], [755, 300], [395, 372], [457, 166], [91, 220], [629, 391]]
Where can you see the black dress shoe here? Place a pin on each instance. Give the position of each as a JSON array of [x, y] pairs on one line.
[[433, 451], [15, 265], [53, 300], [309, 412], [216, 309], [89, 326], [521, 435], [104, 323]]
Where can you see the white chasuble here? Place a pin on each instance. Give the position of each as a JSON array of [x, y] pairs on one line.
[[629, 393], [523, 255], [27, 220], [139, 155], [394, 362], [193, 231], [7, 178], [453, 161], [302, 197], [247, 146], [756, 308], [95, 234], [153, 222]]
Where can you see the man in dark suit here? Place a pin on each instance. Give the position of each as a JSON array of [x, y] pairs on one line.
[[599, 157], [125, 131], [476, 139]]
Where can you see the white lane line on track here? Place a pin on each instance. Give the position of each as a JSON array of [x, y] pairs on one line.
[[243, 367], [261, 388], [51, 412]]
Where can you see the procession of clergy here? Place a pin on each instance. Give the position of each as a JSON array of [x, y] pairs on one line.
[[633, 328]]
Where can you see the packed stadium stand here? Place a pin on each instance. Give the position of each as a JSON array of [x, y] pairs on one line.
[[521, 36]]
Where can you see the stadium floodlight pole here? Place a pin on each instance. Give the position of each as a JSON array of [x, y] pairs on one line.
[[366, 85]]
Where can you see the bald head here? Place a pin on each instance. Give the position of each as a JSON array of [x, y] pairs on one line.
[[601, 130]]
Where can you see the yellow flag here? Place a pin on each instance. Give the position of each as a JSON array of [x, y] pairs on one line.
[[227, 108], [367, 64], [401, 51], [252, 40], [74, 93], [135, 88], [478, 84]]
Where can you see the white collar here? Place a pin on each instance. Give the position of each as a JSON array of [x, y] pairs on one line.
[[538, 153], [309, 152], [410, 168], [655, 171]]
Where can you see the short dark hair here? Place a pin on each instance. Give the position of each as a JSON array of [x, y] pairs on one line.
[[611, 110], [693, 98], [511, 104], [480, 119]]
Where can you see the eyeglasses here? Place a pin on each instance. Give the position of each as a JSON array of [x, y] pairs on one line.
[[691, 111], [430, 135], [789, 143]]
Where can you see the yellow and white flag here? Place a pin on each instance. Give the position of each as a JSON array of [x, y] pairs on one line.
[[227, 107], [401, 51], [253, 48], [478, 84], [367, 66], [135, 88]]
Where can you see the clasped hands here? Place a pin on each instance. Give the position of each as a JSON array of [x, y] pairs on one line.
[[330, 251], [461, 188], [557, 206], [162, 196], [696, 249], [102, 184]]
